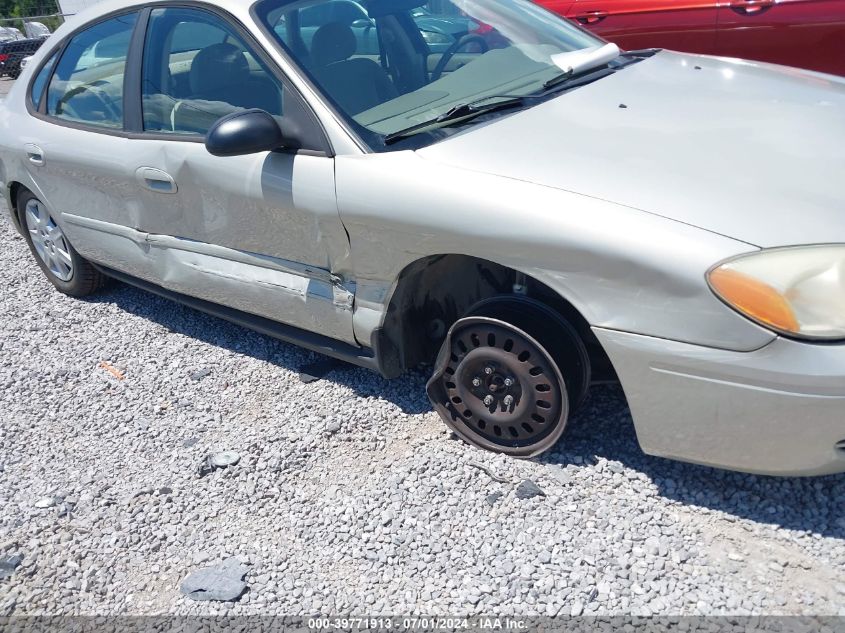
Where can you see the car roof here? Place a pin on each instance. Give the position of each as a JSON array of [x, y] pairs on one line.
[[235, 7]]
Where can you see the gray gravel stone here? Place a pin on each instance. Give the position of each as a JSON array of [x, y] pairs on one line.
[[200, 374], [528, 489], [493, 497], [45, 502], [8, 565], [224, 459], [223, 582]]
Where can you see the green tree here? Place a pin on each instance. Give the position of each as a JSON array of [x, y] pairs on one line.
[[12, 10]]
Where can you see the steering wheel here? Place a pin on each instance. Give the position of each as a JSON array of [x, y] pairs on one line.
[[107, 102], [450, 52]]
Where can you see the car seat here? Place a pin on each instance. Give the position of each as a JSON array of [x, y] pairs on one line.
[[355, 84], [220, 82]]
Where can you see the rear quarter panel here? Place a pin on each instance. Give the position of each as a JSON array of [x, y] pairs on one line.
[[17, 128]]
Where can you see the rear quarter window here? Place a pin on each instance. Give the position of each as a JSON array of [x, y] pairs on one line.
[[40, 81]]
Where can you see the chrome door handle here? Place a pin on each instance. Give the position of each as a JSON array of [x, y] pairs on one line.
[[156, 180], [591, 17], [34, 153], [751, 7]]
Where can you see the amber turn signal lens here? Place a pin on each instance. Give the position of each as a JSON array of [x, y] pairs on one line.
[[754, 298]]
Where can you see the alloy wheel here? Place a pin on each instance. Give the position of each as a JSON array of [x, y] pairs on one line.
[[49, 240]]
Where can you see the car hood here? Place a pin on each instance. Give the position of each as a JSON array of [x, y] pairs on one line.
[[752, 151]]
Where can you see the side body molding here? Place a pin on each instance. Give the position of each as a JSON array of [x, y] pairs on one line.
[[300, 295]]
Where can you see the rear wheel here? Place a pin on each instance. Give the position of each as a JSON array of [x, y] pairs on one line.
[[68, 271], [508, 376]]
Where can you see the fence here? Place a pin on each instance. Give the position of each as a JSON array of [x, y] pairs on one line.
[[21, 34], [17, 14]]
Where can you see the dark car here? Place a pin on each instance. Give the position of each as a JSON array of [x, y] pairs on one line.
[[13, 51]]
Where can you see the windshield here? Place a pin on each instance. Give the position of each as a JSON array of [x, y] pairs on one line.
[[389, 65]]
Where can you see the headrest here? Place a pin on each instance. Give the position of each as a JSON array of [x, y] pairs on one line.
[[216, 67], [333, 42]]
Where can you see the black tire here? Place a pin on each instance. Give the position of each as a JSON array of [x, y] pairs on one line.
[[508, 376], [84, 279]]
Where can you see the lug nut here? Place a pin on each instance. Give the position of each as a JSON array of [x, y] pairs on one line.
[[476, 382], [508, 401], [508, 382], [488, 400], [488, 370]]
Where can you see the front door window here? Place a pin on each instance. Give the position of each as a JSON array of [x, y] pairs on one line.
[[198, 69]]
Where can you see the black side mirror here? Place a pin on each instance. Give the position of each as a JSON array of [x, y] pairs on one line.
[[245, 132]]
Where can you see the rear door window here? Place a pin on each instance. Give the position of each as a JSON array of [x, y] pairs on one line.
[[87, 86]]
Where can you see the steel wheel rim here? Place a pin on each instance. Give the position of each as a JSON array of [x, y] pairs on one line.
[[49, 241], [503, 386]]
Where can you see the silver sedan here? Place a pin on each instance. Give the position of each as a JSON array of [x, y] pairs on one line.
[[479, 186]]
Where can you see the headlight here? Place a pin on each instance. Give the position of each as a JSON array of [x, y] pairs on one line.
[[797, 291]]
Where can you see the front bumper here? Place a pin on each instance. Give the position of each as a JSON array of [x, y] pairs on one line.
[[779, 410]]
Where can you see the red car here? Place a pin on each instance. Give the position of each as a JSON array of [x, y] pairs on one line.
[[803, 33]]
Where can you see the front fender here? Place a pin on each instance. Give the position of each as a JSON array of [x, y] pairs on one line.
[[621, 268]]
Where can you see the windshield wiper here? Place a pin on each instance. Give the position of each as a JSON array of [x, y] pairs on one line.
[[573, 64], [563, 77], [581, 61], [457, 114]]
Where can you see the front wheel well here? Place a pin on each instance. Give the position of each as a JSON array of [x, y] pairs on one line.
[[434, 292]]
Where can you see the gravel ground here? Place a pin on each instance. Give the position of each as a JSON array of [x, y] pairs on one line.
[[350, 496]]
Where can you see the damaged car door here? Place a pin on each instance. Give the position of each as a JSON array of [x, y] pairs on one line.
[[258, 232], [73, 146]]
